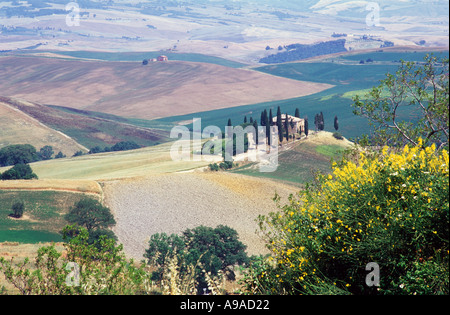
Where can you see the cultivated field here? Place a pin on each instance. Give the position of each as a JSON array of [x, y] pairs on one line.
[[130, 89], [172, 203]]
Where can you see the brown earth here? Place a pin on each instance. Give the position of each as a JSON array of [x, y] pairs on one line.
[[130, 89], [172, 203]]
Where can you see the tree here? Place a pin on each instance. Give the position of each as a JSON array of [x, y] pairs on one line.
[[19, 171], [18, 153], [124, 146], [306, 126], [321, 122], [91, 214], [245, 119], [256, 139], [286, 127], [229, 123], [264, 118], [409, 104], [215, 248], [297, 113], [268, 130], [336, 123], [60, 155], [279, 125], [18, 208], [46, 152]]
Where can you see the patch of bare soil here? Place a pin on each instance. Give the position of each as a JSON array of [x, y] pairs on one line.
[[172, 203]]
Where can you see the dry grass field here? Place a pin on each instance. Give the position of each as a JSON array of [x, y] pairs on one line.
[[80, 186], [130, 89], [114, 165]]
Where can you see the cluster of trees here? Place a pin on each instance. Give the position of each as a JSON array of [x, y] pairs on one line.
[[26, 153], [120, 146], [266, 120], [299, 51]]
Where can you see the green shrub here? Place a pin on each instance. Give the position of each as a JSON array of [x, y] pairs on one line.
[[338, 135], [391, 208]]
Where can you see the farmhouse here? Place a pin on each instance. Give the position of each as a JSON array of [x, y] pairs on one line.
[[295, 124], [163, 58]]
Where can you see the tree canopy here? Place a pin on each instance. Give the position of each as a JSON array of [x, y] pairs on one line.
[[410, 104]]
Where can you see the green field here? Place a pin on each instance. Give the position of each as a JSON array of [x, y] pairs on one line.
[[299, 164], [43, 215], [140, 56], [349, 78]]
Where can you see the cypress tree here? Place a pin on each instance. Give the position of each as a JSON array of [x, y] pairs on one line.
[[279, 125], [322, 122], [286, 126], [336, 123], [297, 113], [306, 126], [256, 139], [268, 130], [245, 119]]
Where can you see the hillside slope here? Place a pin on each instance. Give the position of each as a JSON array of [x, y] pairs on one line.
[[84, 127], [19, 128], [130, 89]]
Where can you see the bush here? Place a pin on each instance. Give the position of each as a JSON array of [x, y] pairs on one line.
[[338, 135], [213, 167], [17, 208], [102, 269], [391, 208]]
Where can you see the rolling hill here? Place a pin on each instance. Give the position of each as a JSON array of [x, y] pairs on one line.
[[68, 130], [17, 127], [130, 89]]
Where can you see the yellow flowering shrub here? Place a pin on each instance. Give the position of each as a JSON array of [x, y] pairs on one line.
[[390, 207]]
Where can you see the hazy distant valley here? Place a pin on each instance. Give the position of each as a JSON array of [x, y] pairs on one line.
[[240, 30]]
